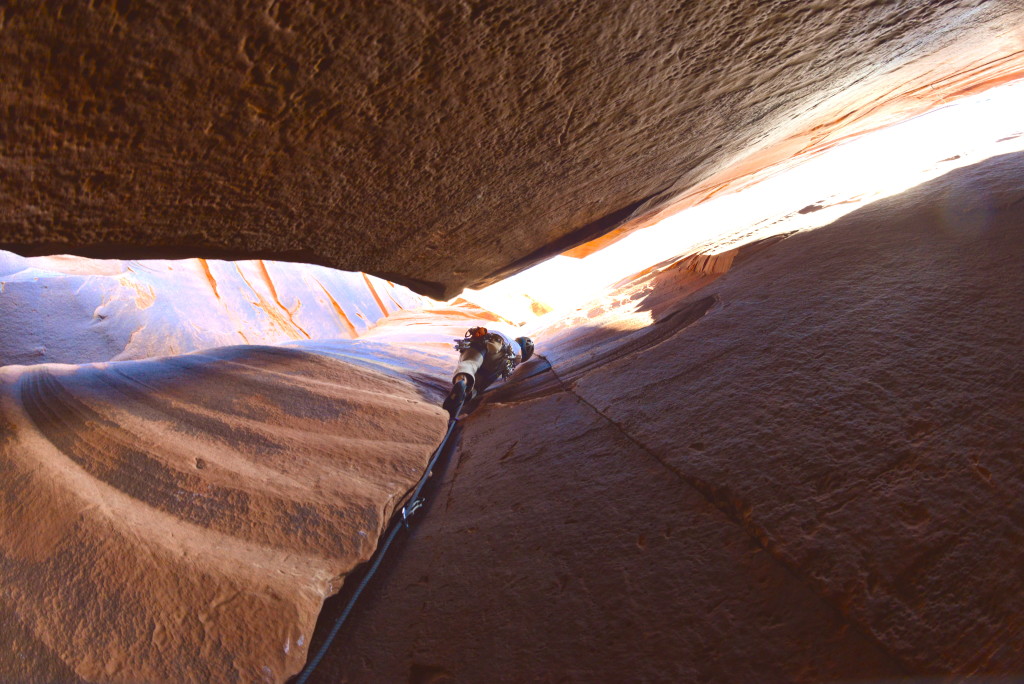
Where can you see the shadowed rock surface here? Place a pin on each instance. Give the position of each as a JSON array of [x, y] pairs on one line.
[[440, 144], [792, 460], [815, 475]]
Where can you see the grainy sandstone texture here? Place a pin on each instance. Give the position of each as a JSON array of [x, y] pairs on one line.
[[181, 519], [796, 461], [807, 468], [438, 144]]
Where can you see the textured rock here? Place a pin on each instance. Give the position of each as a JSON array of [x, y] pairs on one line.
[[808, 468], [181, 519], [438, 144], [74, 310]]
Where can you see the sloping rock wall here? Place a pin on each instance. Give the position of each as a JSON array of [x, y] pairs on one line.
[[438, 144], [181, 519], [817, 474], [986, 59]]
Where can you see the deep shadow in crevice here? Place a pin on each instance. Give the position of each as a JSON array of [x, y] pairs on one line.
[[584, 234], [532, 381], [335, 605]]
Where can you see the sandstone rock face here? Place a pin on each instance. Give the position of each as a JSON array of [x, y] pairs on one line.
[[74, 310], [439, 144], [807, 468], [181, 519]]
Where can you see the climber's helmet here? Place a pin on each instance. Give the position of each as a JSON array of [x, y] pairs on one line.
[[526, 344]]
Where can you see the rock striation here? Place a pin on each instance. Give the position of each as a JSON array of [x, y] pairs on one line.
[[74, 310], [806, 468], [795, 459], [183, 518], [440, 145]]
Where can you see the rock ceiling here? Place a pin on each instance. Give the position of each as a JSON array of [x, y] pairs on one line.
[[439, 145]]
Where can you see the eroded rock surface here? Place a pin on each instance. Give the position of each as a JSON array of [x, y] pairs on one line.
[[439, 144], [181, 519], [73, 310], [815, 474]]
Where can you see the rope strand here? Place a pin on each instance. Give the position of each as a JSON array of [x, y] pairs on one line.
[[398, 521]]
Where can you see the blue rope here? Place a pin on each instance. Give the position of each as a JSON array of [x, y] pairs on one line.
[[397, 523]]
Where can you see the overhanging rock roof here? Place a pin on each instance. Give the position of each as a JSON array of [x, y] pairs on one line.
[[437, 144]]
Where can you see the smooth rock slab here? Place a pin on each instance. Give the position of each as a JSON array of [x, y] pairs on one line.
[[182, 519], [558, 550], [858, 401]]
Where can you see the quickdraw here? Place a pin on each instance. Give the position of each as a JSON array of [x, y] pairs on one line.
[[509, 360]]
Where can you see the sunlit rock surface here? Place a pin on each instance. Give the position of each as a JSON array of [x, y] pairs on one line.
[[440, 144], [796, 459], [73, 310], [808, 468], [986, 59], [181, 519]]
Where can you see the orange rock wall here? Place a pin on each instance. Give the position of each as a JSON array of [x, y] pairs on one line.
[[74, 310], [182, 518], [974, 64], [795, 460]]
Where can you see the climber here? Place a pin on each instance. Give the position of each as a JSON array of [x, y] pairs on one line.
[[486, 355]]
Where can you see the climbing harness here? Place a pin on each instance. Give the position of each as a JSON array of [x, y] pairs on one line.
[[398, 522], [476, 338]]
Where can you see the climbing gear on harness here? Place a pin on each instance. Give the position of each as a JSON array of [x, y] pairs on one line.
[[398, 522], [509, 360], [472, 335], [477, 338]]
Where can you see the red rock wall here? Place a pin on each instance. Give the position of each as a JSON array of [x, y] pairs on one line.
[[75, 310], [792, 461], [806, 469], [181, 519], [968, 66]]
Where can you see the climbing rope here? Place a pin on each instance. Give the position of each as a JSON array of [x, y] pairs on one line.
[[398, 522]]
